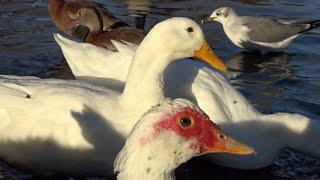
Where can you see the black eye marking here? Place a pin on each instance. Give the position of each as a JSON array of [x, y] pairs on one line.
[[185, 122], [80, 13], [218, 13], [190, 29], [222, 136]]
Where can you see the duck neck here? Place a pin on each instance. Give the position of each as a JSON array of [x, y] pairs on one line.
[[142, 166], [108, 18], [96, 22], [141, 160], [144, 85]]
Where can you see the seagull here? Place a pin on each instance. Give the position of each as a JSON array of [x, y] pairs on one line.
[[259, 33]]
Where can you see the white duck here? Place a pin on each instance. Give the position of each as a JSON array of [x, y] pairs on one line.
[[167, 136], [267, 133], [56, 125]]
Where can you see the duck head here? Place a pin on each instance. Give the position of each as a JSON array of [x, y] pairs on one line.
[[88, 17], [170, 134], [181, 38]]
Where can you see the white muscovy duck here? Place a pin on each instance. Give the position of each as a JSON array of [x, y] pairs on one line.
[[75, 127], [168, 135], [267, 133]]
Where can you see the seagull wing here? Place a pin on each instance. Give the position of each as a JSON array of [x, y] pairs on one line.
[[272, 30]]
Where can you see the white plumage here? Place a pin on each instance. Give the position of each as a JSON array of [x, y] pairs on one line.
[[76, 127], [268, 134]]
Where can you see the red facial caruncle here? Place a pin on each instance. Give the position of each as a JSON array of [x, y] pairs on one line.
[[189, 123]]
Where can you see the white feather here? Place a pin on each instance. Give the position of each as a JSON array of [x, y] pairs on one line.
[[268, 134]]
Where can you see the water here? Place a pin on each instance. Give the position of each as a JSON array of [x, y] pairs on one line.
[[283, 81]]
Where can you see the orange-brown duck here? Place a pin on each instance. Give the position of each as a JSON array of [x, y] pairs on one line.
[[91, 18], [59, 11]]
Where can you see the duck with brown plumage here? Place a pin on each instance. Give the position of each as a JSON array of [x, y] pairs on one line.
[[71, 15], [89, 17], [91, 22]]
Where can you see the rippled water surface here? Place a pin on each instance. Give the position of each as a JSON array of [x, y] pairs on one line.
[[282, 81]]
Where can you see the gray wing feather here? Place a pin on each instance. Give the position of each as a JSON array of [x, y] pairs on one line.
[[272, 30]]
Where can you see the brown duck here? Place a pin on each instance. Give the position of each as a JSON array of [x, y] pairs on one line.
[[91, 18], [59, 10]]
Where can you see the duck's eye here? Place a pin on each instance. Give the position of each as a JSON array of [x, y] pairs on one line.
[[185, 122], [190, 29], [218, 14], [222, 136]]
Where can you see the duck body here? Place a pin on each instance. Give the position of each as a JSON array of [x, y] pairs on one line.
[[103, 38], [81, 57], [267, 133], [46, 121]]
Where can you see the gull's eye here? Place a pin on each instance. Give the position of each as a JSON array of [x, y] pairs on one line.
[[190, 29], [185, 122], [218, 14], [80, 13]]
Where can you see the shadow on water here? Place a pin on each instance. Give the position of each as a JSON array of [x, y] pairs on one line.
[[105, 141], [252, 62], [202, 168]]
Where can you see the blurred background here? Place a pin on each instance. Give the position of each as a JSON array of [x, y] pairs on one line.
[[281, 81]]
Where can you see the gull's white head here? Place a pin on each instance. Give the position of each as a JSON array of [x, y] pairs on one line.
[[167, 136], [220, 15], [179, 38]]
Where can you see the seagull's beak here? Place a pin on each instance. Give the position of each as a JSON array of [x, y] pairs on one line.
[[206, 54], [207, 20]]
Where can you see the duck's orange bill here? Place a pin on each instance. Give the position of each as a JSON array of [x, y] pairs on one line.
[[231, 146], [206, 54]]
